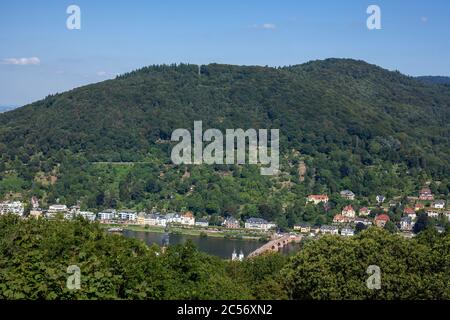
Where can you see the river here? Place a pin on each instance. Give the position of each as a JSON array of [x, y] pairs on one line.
[[216, 246]]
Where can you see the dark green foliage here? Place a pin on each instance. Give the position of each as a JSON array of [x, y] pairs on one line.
[[35, 254], [335, 267], [354, 125]]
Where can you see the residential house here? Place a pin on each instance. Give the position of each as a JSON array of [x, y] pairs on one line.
[[432, 213], [347, 194], [107, 215], [339, 218], [303, 228], [231, 223], [364, 211], [419, 206], [381, 199], [406, 224], [160, 220], [75, 209], [347, 232], [364, 221], [348, 211], [381, 220], [36, 213], [127, 215], [259, 224], [425, 194], [188, 219], [410, 212], [88, 215], [318, 198], [12, 207], [141, 218], [439, 204], [202, 223], [326, 229], [174, 218], [34, 203], [55, 209]]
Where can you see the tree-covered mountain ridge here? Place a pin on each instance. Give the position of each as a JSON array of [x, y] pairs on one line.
[[355, 125]]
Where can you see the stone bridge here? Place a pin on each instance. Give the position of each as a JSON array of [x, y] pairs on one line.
[[275, 245]]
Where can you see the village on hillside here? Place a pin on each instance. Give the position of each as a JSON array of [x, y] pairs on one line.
[[349, 221]]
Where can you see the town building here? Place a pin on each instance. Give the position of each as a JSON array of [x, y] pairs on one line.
[[348, 211], [202, 223], [364, 211], [380, 199], [318, 198], [425, 194], [406, 224], [75, 209], [34, 203], [231, 223], [347, 232], [55, 209], [160, 220], [303, 228], [107, 215], [347, 194], [432, 213], [188, 219], [439, 204], [12, 207], [127, 215], [410, 212], [339, 218], [419, 206], [36, 213], [381, 220], [326, 229], [88, 215], [364, 221], [259, 224]]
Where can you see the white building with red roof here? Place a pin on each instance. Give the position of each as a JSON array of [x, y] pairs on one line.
[[348, 211], [318, 198]]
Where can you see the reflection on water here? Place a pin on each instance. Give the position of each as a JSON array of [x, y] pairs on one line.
[[220, 247]]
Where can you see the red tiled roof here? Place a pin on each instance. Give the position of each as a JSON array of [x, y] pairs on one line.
[[383, 217], [318, 196]]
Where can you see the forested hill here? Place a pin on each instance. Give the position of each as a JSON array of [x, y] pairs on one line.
[[434, 80], [344, 117]]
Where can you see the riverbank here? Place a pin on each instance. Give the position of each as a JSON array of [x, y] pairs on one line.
[[200, 232]]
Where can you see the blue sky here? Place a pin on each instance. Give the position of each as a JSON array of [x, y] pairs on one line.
[[118, 36]]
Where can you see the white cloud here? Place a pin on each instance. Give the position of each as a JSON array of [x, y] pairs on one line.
[[101, 73], [22, 61], [424, 19], [267, 26]]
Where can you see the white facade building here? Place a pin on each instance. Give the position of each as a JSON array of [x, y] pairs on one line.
[[107, 215], [13, 207], [259, 224]]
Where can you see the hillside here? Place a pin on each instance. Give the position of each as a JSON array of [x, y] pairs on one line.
[[434, 80], [353, 124]]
